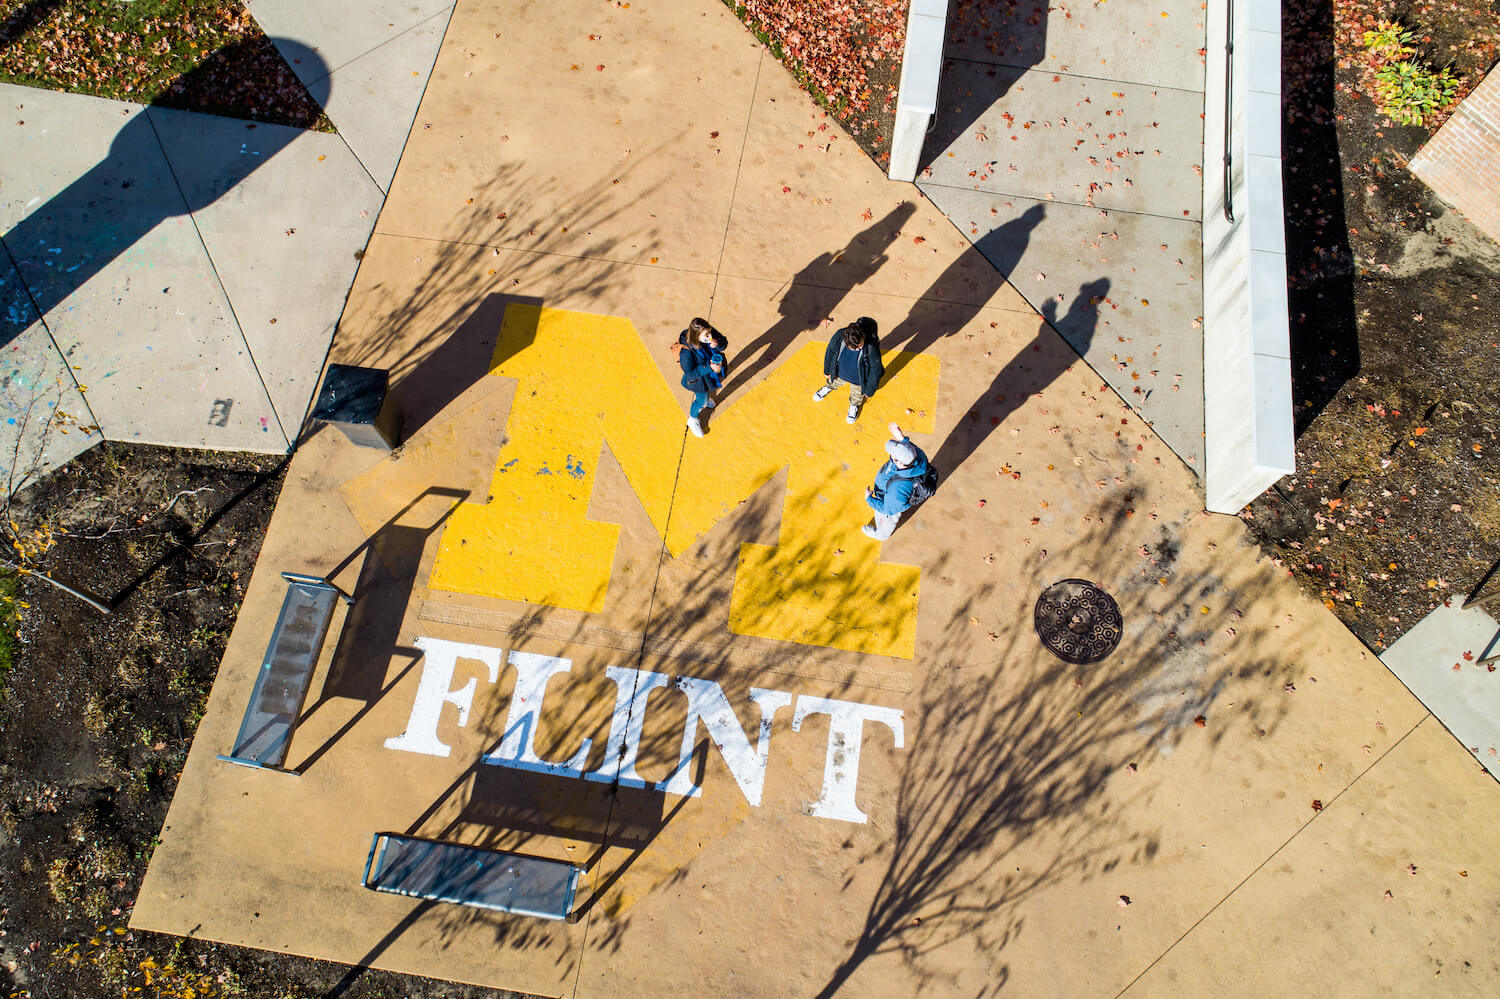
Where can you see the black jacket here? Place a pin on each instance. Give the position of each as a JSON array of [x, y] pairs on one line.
[[871, 368]]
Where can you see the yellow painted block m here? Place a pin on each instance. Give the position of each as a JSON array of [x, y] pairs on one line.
[[584, 379]]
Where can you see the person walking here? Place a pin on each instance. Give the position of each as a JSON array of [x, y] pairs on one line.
[[853, 356], [903, 482], [700, 353]]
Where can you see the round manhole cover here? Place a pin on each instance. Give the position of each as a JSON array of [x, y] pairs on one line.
[[1077, 621]]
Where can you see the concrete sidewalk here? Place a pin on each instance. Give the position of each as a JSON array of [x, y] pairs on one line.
[[176, 278], [901, 791], [1068, 147]]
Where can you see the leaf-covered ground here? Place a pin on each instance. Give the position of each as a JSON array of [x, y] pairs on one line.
[[199, 55], [845, 53], [1395, 317]]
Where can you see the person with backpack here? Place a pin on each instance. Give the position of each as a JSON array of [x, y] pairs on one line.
[[853, 356], [903, 483], [700, 353]]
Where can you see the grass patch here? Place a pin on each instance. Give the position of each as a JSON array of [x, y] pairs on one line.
[[197, 55]]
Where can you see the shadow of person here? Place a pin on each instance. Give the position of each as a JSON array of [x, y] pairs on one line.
[[815, 291], [1031, 370], [963, 289], [86, 226]]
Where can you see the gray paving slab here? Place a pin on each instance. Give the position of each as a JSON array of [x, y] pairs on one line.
[[1057, 137], [1143, 269], [284, 239], [373, 99], [1154, 43], [368, 66], [43, 419], [1437, 662], [338, 34], [100, 233]]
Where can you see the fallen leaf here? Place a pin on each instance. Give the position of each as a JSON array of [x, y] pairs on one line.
[[1201, 721]]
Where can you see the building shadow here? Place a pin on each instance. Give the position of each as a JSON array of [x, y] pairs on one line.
[[1034, 367], [987, 48], [815, 291], [86, 226], [1319, 263], [963, 289]]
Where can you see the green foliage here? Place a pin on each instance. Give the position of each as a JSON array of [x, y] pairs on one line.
[[1389, 41], [1409, 91], [1405, 89]]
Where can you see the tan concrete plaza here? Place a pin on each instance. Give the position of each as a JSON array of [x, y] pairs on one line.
[[1239, 800]]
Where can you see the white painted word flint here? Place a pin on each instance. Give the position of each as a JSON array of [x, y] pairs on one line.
[[706, 703]]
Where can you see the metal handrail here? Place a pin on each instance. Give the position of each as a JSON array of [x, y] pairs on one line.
[[1228, 120]]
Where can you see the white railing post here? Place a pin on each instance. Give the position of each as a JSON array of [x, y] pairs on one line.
[[916, 100]]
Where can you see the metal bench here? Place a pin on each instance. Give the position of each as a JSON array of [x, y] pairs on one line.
[[471, 875], [286, 673]]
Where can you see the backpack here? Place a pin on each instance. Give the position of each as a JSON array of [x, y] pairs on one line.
[[924, 487]]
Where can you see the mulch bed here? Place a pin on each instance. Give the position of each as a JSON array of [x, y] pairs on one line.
[[1395, 319]]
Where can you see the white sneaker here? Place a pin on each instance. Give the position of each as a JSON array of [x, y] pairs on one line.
[[870, 532], [853, 413], [695, 426], [822, 393]]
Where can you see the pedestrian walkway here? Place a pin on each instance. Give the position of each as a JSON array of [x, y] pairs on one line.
[[1068, 147], [790, 760], [175, 278]]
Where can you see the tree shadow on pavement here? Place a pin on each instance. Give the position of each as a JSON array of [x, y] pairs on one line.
[[1007, 787], [989, 45], [431, 334]]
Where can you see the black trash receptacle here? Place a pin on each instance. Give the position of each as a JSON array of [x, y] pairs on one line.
[[354, 400]]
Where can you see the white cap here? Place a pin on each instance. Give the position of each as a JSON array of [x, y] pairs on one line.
[[901, 452]]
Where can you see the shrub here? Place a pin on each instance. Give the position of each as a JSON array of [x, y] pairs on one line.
[[1409, 92], [1388, 42]]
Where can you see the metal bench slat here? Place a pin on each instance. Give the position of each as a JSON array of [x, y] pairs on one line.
[[286, 673], [468, 875]]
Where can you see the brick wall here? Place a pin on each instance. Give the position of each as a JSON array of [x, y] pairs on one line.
[[1461, 163]]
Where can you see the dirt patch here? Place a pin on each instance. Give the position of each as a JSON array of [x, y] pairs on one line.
[[98, 712], [1395, 317]]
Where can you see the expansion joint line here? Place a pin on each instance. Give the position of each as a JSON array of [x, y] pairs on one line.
[[233, 314], [739, 166], [663, 553], [1271, 856]]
